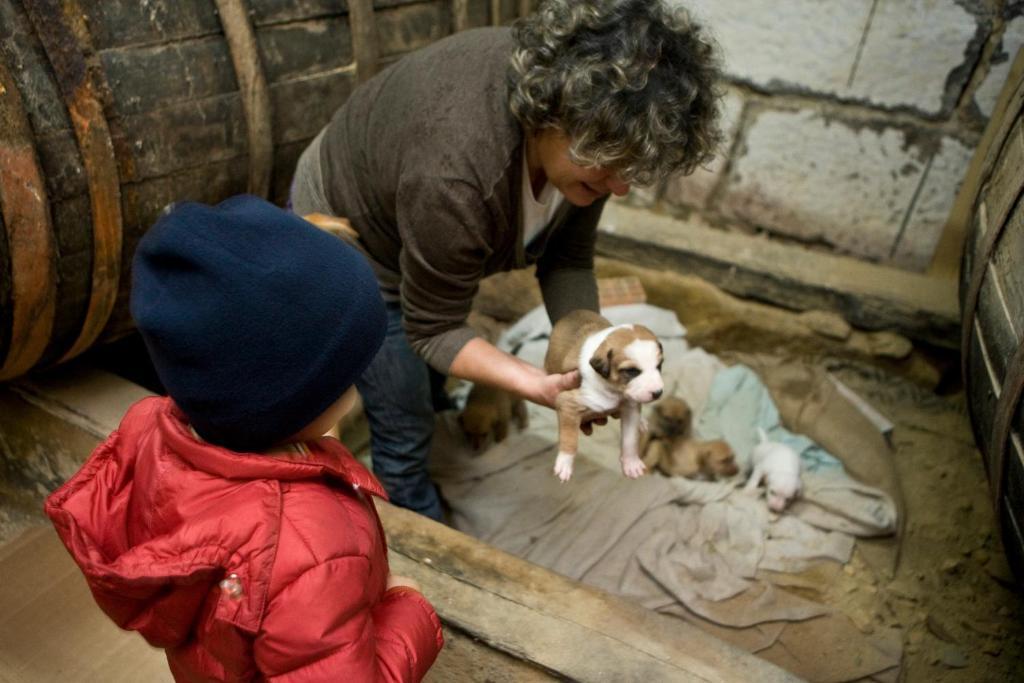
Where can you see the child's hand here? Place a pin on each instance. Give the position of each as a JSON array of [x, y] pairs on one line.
[[394, 580]]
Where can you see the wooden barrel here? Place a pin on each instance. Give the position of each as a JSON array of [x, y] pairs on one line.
[[111, 109], [992, 300]]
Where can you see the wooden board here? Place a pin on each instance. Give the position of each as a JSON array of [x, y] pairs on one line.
[[867, 295]]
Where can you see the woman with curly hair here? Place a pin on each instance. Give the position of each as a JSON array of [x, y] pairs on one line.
[[492, 150]]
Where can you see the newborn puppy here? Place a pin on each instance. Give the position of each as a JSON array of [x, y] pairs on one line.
[[779, 466], [487, 414], [671, 419], [707, 460], [620, 368]]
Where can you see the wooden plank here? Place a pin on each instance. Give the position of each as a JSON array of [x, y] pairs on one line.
[[561, 625], [867, 295], [410, 28], [199, 68], [464, 659], [189, 69], [31, 70], [307, 48], [1008, 268], [116, 23], [992, 319], [321, 96], [983, 401]]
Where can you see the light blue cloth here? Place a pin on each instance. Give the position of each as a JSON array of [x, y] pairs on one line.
[[738, 404]]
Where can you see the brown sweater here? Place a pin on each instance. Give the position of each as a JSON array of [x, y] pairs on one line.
[[425, 160]]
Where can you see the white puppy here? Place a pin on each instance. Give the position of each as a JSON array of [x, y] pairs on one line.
[[779, 466]]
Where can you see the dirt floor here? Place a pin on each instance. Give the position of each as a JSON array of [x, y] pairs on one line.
[[951, 594]]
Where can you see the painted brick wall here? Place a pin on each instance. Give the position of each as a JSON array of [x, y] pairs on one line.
[[850, 123]]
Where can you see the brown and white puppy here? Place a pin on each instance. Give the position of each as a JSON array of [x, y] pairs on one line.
[[487, 414], [709, 460], [620, 369]]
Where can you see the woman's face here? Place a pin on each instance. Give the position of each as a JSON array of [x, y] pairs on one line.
[[581, 185]]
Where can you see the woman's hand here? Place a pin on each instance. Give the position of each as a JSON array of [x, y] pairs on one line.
[[546, 388]]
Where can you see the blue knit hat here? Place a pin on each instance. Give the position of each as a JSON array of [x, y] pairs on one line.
[[255, 320]]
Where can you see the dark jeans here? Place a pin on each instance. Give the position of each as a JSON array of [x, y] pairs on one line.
[[400, 394]]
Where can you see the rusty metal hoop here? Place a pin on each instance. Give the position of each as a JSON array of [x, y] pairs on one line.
[[60, 27], [30, 238]]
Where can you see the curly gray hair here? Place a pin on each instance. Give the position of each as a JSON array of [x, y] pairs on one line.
[[631, 82]]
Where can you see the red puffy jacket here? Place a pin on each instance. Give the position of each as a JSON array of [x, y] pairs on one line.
[[243, 567]]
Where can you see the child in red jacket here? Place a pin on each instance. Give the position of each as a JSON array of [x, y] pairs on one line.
[[216, 522]]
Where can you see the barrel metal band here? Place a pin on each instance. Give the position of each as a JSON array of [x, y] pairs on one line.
[[363, 25], [252, 84], [60, 27], [496, 12], [1006, 408], [30, 239]]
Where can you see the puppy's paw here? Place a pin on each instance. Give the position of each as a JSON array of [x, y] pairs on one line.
[[563, 466], [633, 467]]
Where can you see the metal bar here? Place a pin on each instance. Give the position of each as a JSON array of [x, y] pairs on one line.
[[60, 26], [252, 84], [30, 238]]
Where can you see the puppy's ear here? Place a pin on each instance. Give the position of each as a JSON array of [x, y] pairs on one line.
[[602, 363]]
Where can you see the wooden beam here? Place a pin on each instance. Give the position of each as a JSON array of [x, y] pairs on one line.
[[869, 296], [565, 627]]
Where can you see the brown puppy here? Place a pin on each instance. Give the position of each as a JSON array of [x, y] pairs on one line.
[[671, 419], [620, 368], [694, 459], [487, 414]]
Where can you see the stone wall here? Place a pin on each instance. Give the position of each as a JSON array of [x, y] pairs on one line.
[[850, 123]]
